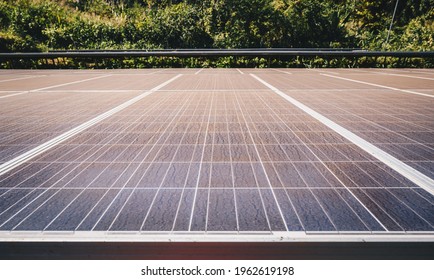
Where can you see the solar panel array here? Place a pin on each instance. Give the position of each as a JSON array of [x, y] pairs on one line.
[[216, 151]]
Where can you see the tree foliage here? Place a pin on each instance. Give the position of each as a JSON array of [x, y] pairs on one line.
[[146, 24]]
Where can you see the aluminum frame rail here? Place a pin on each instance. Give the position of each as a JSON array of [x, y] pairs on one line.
[[217, 53]]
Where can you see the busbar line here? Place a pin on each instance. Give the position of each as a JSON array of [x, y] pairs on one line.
[[277, 70], [9, 165], [381, 86], [402, 75], [200, 70], [388, 72], [322, 71], [55, 86], [94, 91], [22, 78], [405, 170]]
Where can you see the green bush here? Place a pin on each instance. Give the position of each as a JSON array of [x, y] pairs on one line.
[[176, 26], [10, 42], [5, 15], [83, 34], [37, 25], [32, 18], [419, 34]]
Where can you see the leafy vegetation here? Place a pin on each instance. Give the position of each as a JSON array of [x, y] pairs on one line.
[[41, 25]]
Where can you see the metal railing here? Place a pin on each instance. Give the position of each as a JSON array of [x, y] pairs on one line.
[[283, 52]]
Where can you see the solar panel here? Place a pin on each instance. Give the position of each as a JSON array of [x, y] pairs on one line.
[[215, 151]]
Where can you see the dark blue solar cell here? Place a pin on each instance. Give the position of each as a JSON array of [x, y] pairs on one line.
[[162, 214], [422, 206], [221, 176], [425, 194], [94, 215], [287, 208], [14, 215], [377, 210], [251, 214], [221, 211], [26, 175], [275, 217], [176, 175], [134, 210], [183, 217], [309, 210], [198, 222], [361, 210], [343, 217], [407, 218], [42, 216], [113, 209], [77, 211], [154, 175]]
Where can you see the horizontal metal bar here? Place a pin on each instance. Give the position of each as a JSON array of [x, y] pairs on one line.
[[217, 53], [188, 236], [211, 49]]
